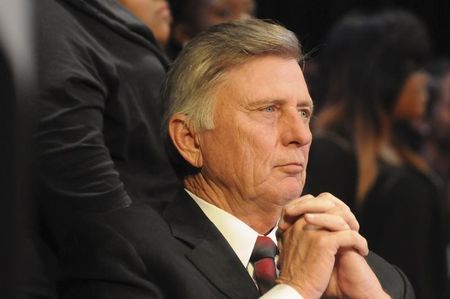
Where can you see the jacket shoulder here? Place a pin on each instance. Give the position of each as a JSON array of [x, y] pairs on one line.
[[392, 279]]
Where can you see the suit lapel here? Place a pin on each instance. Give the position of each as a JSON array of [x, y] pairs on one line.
[[211, 254]]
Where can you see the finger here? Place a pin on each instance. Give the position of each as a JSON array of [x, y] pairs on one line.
[[345, 213], [351, 239], [298, 207], [309, 203], [341, 209], [297, 200], [330, 197], [286, 222], [327, 221]]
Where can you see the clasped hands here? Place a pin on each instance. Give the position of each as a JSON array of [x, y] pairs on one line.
[[321, 251]]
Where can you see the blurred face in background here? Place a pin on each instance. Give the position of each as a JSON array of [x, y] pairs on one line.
[[201, 14], [412, 101], [153, 13], [440, 115], [214, 12]]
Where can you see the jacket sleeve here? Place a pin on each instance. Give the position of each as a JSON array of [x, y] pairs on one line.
[[76, 171], [392, 279], [75, 164], [97, 262]]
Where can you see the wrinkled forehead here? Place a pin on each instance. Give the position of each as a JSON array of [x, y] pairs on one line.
[[268, 78]]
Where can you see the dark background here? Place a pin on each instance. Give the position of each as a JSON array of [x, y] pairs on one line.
[[312, 19]]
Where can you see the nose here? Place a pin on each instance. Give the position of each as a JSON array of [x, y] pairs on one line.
[[295, 130]]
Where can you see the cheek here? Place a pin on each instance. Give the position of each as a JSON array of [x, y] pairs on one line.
[[251, 158], [305, 151], [419, 106], [254, 152], [415, 97], [411, 106]]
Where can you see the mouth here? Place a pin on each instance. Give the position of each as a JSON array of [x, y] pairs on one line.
[[293, 168]]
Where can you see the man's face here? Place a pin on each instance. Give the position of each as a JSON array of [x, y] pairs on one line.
[[258, 149]]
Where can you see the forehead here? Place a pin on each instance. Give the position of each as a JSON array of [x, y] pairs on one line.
[[266, 78]]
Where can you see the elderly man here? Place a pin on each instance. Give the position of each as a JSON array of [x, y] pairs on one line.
[[238, 134]]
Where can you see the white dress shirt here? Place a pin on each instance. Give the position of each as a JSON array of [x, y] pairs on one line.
[[242, 238]]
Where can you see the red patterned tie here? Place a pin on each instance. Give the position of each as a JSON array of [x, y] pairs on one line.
[[264, 264]]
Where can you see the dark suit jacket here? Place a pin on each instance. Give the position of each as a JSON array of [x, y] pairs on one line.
[[135, 253]]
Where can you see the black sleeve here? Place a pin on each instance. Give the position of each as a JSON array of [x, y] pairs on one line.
[[75, 163], [76, 170]]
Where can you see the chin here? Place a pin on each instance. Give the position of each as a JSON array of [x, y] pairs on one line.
[[292, 187], [288, 193]]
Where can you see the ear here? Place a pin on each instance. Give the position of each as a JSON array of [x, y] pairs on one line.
[[185, 139]]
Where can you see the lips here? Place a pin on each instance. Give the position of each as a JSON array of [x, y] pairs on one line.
[[291, 167]]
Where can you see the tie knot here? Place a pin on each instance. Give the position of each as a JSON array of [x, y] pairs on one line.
[[264, 248]]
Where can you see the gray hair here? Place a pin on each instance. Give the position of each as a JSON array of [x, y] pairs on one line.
[[202, 65], [204, 61]]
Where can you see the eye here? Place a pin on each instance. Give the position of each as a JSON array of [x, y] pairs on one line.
[[224, 13], [305, 113], [270, 109]]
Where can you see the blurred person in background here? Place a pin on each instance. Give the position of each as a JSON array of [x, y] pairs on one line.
[[191, 17], [153, 13], [22, 273], [371, 80], [437, 121], [436, 147], [98, 109]]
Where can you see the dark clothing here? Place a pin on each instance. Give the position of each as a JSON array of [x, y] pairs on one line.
[[173, 49], [99, 115], [400, 216], [100, 109], [134, 253], [8, 176]]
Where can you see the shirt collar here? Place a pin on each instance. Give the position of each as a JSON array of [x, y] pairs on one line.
[[238, 234]]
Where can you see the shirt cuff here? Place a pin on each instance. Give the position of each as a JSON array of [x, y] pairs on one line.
[[282, 291]]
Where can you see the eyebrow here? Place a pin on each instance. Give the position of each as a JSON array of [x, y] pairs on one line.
[[303, 103]]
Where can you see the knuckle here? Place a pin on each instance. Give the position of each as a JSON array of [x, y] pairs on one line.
[[354, 236], [298, 225], [342, 223], [322, 241], [325, 194], [347, 209]]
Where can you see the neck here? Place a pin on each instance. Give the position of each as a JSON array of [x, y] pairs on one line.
[[260, 216]]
